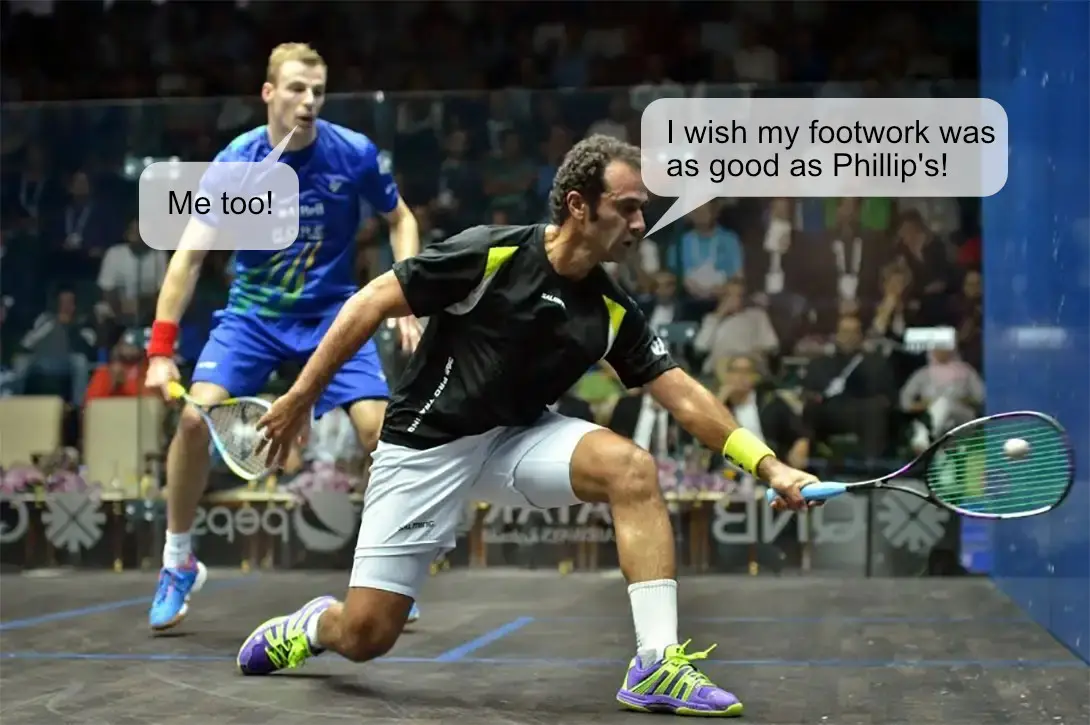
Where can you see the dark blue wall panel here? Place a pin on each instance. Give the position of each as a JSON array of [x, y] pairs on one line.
[[1034, 61]]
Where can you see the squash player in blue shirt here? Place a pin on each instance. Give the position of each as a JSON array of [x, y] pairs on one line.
[[280, 303]]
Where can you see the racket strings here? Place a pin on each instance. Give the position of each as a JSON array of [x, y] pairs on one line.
[[973, 471], [236, 427]]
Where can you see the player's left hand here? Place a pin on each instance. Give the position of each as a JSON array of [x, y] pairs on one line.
[[409, 329], [788, 483], [286, 422]]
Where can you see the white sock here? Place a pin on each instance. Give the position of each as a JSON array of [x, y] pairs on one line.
[[177, 550], [312, 631], [654, 614]]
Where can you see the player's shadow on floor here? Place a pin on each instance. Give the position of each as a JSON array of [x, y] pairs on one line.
[[304, 675], [171, 634], [348, 686]]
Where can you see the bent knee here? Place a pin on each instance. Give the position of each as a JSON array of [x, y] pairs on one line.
[[620, 470], [373, 632], [637, 475], [191, 426], [368, 438]]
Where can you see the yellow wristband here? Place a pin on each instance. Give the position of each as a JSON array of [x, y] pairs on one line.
[[746, 450]]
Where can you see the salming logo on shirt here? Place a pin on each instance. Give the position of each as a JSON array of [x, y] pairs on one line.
[[554, 299]]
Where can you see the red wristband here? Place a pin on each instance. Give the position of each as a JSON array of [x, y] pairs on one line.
[[163, 336]]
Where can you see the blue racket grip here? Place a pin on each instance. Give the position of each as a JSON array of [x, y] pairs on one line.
[[817, 491]]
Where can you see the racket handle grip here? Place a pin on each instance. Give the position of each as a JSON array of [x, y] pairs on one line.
[[176, 390], [818, 491]]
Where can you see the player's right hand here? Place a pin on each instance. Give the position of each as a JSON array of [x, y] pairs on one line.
[[788, 483], [409, 330], [161, 372], [284, 424]]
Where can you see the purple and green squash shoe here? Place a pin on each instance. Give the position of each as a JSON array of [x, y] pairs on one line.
[[672, 685], [281, 642]]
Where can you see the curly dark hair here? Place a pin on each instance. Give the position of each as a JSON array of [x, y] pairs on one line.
[[583, 169]]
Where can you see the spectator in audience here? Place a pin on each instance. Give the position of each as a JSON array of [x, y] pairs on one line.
[[502, 120], [707, 256], [617, 122], [931, 268], [777, 242], [34, 190], [418, 126], [692, 63], [663, 309], [849, 391], [123, 375], [429, 233], [21, 264], [775, 416], [733, 329], [843, 266], [896, 310], [774, 270], [806, 63], [552, 153], [942, 215], [460, 193], [129, 278], [754, 61], [509, 179], [571, 68], [82, 231], [968, 314], [944, 393], [55, 354], [656, 85], [547, 115]]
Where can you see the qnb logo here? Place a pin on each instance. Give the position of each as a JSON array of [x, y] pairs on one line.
[[911, 523], [73, 521]]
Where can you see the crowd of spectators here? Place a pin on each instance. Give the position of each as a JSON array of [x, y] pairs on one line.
[[795, 311]]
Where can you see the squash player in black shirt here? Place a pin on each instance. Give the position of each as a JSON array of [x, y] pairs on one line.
[[516, 315]]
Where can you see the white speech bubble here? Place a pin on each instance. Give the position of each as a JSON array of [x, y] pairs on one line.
[[699, 149], [252, 205]]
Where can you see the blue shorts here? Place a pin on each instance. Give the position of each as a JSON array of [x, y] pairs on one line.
[[244, 350]]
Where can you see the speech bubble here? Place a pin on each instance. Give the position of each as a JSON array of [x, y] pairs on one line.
[[699, 149], [252, 205]]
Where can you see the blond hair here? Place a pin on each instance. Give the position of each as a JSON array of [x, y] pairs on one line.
[[286, 52]]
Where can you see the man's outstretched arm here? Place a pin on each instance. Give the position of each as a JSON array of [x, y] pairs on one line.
[[703, 415]]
